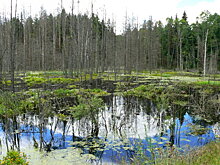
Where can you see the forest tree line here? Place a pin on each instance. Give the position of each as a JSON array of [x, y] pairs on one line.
[[82, 43]]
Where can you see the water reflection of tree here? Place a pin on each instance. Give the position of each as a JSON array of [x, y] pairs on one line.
[[206, 103], [12, 137], [120, 117]]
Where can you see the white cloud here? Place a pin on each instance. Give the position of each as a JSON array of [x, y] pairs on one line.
[[195, 11], [158, 9]]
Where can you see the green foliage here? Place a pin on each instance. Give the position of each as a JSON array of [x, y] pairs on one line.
[[141, 88], [209, 154], [214, 83], [61, 80], [62, 92], [198, 130], [6, 82], [96, 92], [44, 73], [87, 107], [180, 102], [32, 81], [72, 86], [163, 94], [62, 117], [147, 91], [33, 100], [162, 75], [14, 158], [206, 91], [75, 92], [9, 104]]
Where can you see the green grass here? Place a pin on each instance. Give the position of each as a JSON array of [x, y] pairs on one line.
[[214, 83], [161, 75], [206, 155]]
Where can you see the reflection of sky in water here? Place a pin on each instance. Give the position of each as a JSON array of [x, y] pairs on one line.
[[136, 127], [183, 136]]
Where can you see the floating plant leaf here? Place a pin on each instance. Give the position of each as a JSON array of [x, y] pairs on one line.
[[160, 142], [149, 150], [126, 148], [186, 140], [163, 138], [153, 141]]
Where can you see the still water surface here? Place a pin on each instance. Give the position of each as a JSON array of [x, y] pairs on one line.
[[125, 126]]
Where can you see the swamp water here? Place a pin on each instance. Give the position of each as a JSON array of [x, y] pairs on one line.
[[127, 126]]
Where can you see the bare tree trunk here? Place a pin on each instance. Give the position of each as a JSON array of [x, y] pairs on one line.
[[115, 51], [43, 46], [54, 44], [180, 55], [12, 50], [125, 46], [205, 53], [64, 52], [61, 4], [138, 51], [72, 45], [2, 51]]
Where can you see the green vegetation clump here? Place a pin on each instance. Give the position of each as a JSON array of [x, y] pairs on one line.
[[209, 154], [61, 80], [197, 130], [87, 107], [214, 83], [9, 105], [44, 73], [147, 91], [162, 75], [78, 92], [161, 94], [33, 81], [48, 102], [96, 92], [14, 158], [63, 92]]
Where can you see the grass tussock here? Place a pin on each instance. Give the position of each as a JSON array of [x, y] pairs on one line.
[[214, 83], [206, 155]]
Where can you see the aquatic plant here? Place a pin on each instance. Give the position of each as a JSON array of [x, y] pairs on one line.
[[61, 80], [197, 130], [208, 154], [33, 81], [9, 105], [214, 83], [62, 92], [88, 108], [96, 92]]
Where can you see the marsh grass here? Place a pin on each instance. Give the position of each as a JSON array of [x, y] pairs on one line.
[[206, 155], [214, 83], [164, 92]]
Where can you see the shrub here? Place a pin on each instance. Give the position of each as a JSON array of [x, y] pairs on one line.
[[14, 158]]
